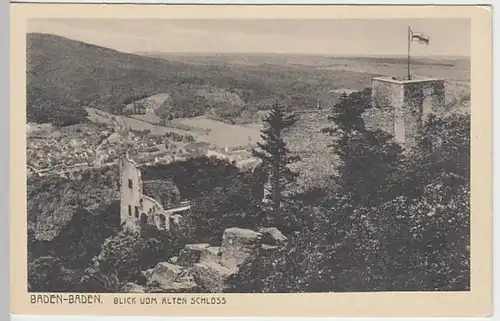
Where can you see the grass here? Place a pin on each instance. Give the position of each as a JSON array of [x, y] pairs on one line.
[[222, 134], [201, 128]]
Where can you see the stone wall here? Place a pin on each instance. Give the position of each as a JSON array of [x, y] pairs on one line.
[[130, 192], [421, 98], [382, 119], [400, 106], [202, 266], [137, 208], [153, 213], [382, 115]]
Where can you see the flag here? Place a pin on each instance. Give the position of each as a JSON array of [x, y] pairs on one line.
[[420, 37]]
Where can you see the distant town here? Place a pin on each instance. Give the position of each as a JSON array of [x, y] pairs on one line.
[[90, 145]]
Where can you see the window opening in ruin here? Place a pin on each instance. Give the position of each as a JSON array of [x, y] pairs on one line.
[[163, 221], [129, 183], [144, 218], [130, 210], [137, 211]]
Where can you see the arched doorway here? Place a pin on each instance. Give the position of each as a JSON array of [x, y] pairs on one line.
[[144, 218]]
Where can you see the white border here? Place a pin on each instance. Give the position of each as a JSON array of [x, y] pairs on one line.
[[4, 145]]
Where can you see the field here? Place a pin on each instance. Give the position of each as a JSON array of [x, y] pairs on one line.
[[201, 128], [222, 134]]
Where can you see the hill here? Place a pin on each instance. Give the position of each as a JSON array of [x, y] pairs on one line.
[[70, 73], [64, 76]]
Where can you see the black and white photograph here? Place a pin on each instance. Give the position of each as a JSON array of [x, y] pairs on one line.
[[248, 155]]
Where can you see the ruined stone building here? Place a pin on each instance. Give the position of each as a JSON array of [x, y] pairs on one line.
[[400, 106], [155, 203]]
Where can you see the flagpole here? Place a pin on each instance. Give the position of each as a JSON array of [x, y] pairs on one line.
[[409, 41]]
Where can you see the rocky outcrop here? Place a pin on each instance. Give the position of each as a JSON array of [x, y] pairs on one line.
[[210, 254], [171, 277], [211, 267], [238, 246], [191, 254], [272, 236], [212, 276], [134, 288]]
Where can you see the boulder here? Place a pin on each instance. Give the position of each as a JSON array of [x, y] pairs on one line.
[[212, 276], [134, 288], [170, 278], [273, 236], [176, 287], [191, 254], [267, 249], [238, 246], [210, 254], [163, 273], [148, 273], [173, 259]]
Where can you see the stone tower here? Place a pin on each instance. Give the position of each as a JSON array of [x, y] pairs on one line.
[[400, 106], [137, 209], [131, 192]]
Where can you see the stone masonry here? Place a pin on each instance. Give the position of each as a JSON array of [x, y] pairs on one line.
[[399, 107], [137, 208]]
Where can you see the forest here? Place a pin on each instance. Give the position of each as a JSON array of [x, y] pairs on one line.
[[64, 76], [397, 221]]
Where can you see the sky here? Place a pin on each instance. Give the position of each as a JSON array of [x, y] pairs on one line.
[[365, 37]]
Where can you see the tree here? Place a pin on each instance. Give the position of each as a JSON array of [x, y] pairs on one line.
[[47, 274], [300, 266], [119, 257], [276, 158], [235, 204], [44, 274], [369, 167], [443, 146], [346, 113], [369, 160], [56, 109], [419, 244]]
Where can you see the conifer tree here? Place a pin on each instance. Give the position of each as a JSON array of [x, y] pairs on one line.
[[368, 159], [275, 158]]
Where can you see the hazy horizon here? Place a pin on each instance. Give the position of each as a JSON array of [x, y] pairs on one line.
[[215, 53], [341, 37]]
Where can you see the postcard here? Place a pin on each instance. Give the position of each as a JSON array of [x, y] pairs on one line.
[[239, 160]]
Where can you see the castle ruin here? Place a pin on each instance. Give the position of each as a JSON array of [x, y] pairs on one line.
[[137, 208], [400, 106]]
